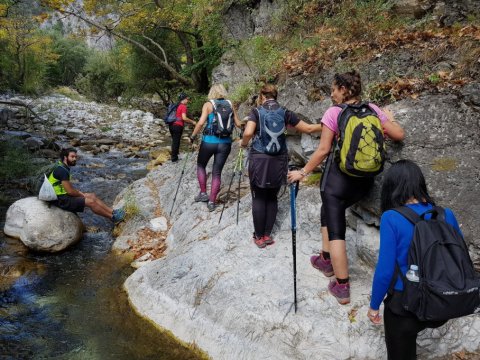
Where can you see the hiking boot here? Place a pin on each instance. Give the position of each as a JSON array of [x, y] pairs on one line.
[[118, 215], [211, 206], [340, 291], [324, 265], [259, 241], [267, 240], [202, 197]]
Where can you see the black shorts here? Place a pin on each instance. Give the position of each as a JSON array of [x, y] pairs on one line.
[[70, 203]]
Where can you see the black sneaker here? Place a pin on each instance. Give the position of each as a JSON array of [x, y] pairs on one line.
[[202, 197], [211, 206]]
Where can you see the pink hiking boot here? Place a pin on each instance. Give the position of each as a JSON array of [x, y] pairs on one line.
[[325, 266], [340, 291]]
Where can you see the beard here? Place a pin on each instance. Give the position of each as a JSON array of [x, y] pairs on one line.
[[71, 163]]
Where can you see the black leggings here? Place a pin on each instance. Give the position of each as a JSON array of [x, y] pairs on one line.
[[341, 191], [176, 133], [401, 334], [220, 154], [264, 209]]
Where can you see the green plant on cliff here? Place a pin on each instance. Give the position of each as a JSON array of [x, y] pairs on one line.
[[131, 206], [243, 92]]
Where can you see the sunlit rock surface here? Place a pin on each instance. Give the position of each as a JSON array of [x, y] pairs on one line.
[[40, 227]]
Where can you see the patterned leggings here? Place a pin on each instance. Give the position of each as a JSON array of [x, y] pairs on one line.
[[220, 154]]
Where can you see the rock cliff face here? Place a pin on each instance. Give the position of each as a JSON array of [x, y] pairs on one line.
[[441, 130], [216, 288]]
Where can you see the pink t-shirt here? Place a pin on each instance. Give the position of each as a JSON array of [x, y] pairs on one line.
[[181, 109], [330, 117]]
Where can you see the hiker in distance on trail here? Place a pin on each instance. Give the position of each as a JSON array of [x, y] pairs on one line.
[[343, 183], [220, 118], [176, 126], [404, 195], [268, 158], [71, 199]]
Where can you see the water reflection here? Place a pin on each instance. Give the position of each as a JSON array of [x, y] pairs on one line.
[[71, 305]]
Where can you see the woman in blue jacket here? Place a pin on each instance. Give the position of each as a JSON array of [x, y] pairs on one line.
[[403, 184]]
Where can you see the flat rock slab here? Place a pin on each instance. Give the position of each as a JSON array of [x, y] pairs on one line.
[[40, 227], [214, 287]]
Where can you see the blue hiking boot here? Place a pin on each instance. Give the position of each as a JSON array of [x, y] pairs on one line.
[[118, 215]]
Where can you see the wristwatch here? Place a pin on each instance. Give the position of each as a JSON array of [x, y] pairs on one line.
[[303, 173]]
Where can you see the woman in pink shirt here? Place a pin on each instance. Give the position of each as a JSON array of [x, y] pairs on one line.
[[339, 190]]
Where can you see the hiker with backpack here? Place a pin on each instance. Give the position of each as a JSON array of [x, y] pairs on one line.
[[176, 123], [220, 118], [423, 263], [344, 182], [268, 158]]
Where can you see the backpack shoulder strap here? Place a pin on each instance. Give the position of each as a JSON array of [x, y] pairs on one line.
[[437, 212], [408, 213], [214, 106], [341, 117]]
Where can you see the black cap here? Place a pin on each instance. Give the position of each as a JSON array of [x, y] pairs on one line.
[[182, 96]]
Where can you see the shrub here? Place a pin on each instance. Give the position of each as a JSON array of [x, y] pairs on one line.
[[15, 160], [103, 79]]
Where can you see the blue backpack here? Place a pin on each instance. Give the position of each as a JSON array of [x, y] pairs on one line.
[[171, 115], [270, 139]]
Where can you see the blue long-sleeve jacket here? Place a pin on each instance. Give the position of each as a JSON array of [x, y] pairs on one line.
[[396, 233]]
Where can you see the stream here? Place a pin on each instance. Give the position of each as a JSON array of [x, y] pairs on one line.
[[71, 305]]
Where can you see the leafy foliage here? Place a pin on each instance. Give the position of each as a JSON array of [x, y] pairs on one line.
[[15, 161]]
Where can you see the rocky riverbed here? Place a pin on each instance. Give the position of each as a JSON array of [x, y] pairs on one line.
[[70, 305]]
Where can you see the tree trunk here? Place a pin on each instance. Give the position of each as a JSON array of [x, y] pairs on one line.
[[173, 73], [203, 82]]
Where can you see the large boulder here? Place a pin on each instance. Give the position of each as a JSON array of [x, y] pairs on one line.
[[40, 227]]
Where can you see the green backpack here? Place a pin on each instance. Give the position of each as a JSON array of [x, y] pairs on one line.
[[360, 147]]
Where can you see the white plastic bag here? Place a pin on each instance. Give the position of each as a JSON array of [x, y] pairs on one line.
[[47, 192]]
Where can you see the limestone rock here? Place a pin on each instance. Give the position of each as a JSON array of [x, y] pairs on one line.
[[158, 224], [416, 8], [74, 132], [6, 115], [42, 228], [34, 143], [214, 287]]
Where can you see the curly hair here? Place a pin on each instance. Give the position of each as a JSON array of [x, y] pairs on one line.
[[352, 82]]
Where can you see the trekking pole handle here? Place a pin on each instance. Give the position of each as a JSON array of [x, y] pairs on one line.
[[293, 207]]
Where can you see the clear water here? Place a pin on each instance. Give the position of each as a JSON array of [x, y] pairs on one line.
[[71, 305]]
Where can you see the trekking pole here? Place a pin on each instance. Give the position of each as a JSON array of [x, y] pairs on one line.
[[240, 152], [293, 221], [180, 180], [240, 170]]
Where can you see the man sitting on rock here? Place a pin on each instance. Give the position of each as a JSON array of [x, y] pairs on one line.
[[71, 199]]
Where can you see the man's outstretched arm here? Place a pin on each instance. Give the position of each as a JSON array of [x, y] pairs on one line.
[[67, 185]]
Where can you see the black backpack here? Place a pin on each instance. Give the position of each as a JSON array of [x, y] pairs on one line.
[[223, 123], [171, 114], [270, 138], [449, 286]]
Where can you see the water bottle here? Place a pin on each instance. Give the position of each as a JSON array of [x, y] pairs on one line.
[[412, 273]]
